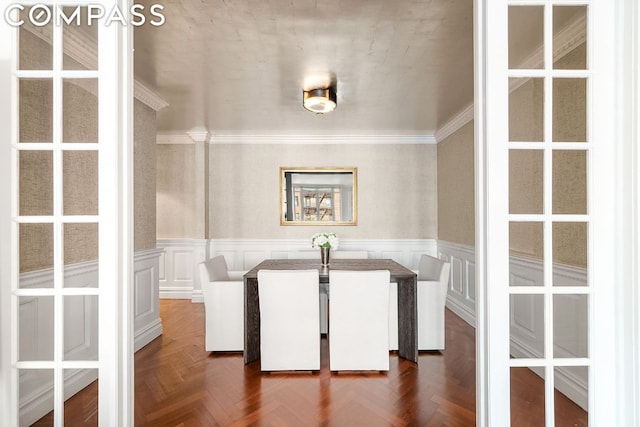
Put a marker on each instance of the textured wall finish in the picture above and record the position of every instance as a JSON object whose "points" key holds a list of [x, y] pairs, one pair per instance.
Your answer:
{"points": [[176, 191], [144, 176], [396, 189], [456, 219], [80, 168], [80, 176]]}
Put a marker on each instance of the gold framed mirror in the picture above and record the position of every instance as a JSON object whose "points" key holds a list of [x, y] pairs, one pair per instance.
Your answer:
{"points": [[320, 195]]}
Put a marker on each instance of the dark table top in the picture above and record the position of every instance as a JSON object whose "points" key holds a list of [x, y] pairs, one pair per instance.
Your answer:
{"points": [[396, 270]]}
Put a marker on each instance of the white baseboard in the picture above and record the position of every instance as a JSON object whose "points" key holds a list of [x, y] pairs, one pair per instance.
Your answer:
{"points": [[147, 334], [167, 292], [462, 311]]}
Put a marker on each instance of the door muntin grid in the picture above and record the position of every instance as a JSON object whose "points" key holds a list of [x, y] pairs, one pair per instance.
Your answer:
{"points": [[55, 210], [549, 157]]}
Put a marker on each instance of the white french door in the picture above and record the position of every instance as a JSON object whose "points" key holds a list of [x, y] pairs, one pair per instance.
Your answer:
{"points": [[545, 152], [66, 201]]}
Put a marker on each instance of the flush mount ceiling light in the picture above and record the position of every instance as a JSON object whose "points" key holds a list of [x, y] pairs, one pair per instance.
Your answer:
{"points": [[320, 101]]}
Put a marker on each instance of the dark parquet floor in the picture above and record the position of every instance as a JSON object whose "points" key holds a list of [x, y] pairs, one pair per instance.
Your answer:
{"points": [[177, 383]]}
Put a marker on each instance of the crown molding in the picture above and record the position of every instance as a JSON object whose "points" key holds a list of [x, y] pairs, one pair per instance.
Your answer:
{"points": [[453, 125], [148, 97], [198, 136], [567, 39], [323, 139], [84, 51], [570, 37]]}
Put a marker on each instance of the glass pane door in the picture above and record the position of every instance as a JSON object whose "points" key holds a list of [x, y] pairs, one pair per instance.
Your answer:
{"points": [[69, 265], [549, 159]]}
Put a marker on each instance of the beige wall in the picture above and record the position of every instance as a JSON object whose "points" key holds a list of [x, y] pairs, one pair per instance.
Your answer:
{"points": [[144, 179], [80, 168], [176, 213], [396, 189], [456, 215]]}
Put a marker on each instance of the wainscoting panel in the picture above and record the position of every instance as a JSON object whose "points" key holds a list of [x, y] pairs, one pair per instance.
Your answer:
{"points": [[244, 254], [147, 323], [142, 280], [161, 263], [461, 295], [179, 264], [527, 311], [180, 279], [458, 276], [182, 262], [80, 328], [470, 288]]}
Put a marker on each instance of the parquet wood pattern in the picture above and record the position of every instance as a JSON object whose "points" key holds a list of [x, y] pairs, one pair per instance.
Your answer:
{"points": [[179, 384]]}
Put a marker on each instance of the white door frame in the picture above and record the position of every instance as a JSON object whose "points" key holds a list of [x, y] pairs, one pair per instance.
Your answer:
{"points": [[8, 401], [116, 385], [628, 202], [614, 339]]}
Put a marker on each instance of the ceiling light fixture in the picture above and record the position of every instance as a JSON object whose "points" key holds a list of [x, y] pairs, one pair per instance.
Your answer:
{"points": [[322, 100]]}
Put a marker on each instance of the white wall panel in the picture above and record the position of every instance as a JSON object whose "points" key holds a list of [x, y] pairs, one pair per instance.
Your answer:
{"points": [[462, 300], [471, 281], [180, 266], [143, 291], [147, 323], [457, 276], [184, 255], [182, 262]]}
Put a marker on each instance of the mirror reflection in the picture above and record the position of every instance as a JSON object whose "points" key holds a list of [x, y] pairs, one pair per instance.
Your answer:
{"points": [[318, 196]]}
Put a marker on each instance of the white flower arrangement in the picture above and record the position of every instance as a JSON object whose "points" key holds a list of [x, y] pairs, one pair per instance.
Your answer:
{"points": [[324, 240]]}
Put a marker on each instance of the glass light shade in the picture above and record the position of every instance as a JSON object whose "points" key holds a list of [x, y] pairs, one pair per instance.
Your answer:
{"points": [[319, 100]]}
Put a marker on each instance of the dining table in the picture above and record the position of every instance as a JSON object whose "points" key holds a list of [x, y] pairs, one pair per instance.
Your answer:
{"points": [[407, 298]]}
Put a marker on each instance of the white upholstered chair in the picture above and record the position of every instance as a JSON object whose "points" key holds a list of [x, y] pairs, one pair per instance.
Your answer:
{"points": [[289, 328], [223, 293], [433, 280], [324, 290], [358, 320]]}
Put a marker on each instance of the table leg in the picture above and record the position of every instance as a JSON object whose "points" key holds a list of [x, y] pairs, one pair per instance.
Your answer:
{"points": [[408, 319], [251, 321]]}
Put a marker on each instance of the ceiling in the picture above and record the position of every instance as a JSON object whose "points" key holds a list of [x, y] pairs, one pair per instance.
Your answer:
{"points": [[233, 67]]}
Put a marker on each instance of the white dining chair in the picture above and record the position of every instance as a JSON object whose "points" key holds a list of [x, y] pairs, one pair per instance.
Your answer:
{"points": [[358, 320], [324, 288], [433, 280], [223, 293], [289, 328]]}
